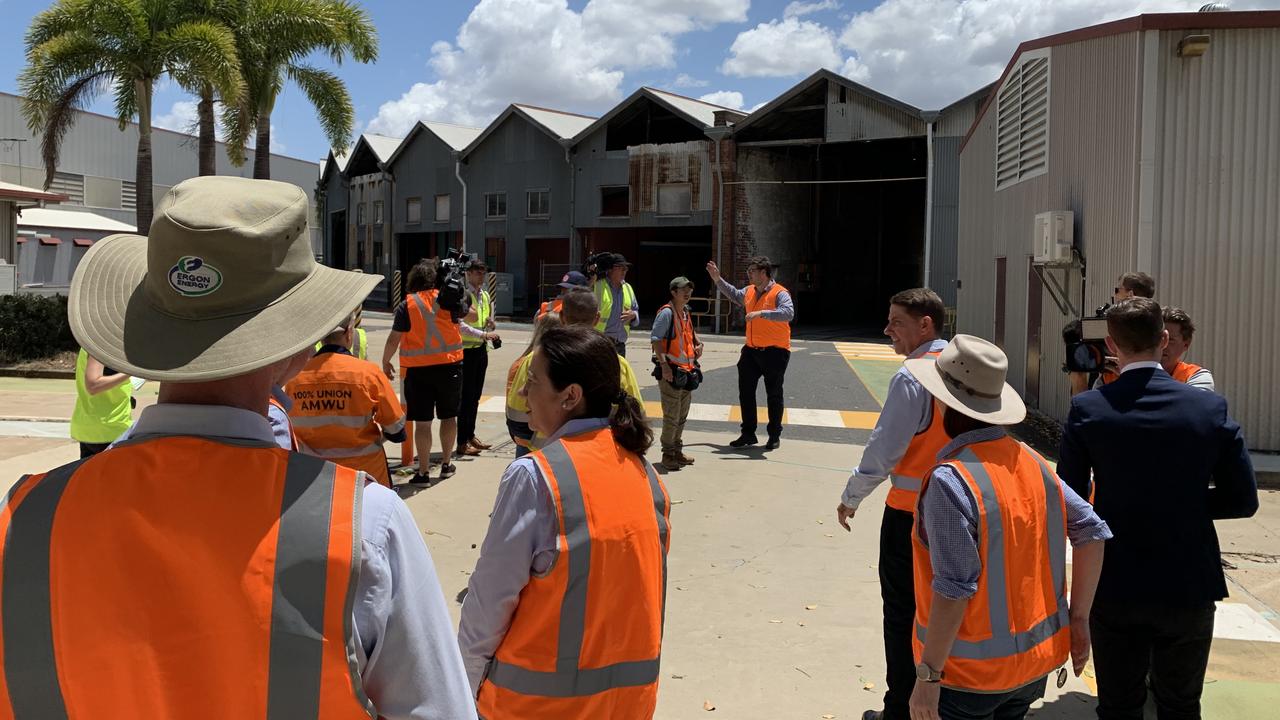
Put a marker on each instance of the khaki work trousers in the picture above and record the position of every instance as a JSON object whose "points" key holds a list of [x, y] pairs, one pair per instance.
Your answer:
{"points": [[675, 410]]}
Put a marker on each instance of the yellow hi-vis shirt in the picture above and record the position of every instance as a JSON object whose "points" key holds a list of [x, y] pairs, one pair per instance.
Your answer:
{"points": [[518, 405]]}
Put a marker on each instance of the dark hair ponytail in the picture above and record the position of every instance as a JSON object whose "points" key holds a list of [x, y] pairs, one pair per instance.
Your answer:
{"points": [[581, 355]]}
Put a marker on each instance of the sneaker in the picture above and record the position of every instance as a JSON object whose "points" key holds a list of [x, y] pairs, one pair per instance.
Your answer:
{"points": [[670, 462], [476, 443], [773, 443], [419, 479], [447, 471], [684, 459], [744, 439]]}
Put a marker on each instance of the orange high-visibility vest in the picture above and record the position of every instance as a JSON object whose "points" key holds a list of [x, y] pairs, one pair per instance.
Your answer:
{"points": [[341, 407], [556, 306], [1016, 627], [182, 577], [585, 640], [433, 337], [761, 332], [1184, 370], [921, 456], [680, 343]]}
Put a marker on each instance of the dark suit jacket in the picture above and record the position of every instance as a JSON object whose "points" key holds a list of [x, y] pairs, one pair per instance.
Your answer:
{"points": [[1167, 461]]}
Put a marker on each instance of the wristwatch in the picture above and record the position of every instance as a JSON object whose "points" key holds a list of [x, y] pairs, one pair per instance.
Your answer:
{"points": [[924, 673]]}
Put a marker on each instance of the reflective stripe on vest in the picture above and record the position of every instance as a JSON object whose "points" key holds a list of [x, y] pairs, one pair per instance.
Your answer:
{"points": [[482, 318], [762, 332], [682, 335], [361, 349], [604, 295], [568, 679], [433, 342], [300, 633], [986, 655]]}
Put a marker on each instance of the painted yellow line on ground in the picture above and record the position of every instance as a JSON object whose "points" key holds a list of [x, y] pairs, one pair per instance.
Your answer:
{"points": [[867, 351], [708, 412]]}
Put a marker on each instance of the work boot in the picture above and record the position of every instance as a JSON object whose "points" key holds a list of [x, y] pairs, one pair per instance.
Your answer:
{"points": [[670, 462], [744, 439], [774, 442], [684, 459], [477, 443]]}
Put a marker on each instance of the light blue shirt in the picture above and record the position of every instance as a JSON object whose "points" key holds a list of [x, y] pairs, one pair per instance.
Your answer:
{"points": [[908, 410], [785, 312], [407, 658], [521, 543], [948, 520], [281, 427], [613, 326]]}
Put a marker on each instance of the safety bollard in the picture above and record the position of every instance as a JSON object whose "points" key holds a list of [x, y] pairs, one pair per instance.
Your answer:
{"points": [[406, 447]]}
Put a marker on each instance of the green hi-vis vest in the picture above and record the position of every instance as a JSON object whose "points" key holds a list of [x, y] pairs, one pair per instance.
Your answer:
{"points": [[604, 293], [103, 417], [359, 348], [483, 311]]}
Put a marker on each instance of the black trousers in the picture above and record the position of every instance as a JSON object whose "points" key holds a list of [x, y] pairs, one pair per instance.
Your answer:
{"points": [[1012, 705], [475, 362], [771, 364], [897, 590], [1130, 639]]}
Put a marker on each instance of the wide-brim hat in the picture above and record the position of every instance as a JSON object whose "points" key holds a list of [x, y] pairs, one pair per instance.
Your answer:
{"points": [[226, 283], [968, 376]]}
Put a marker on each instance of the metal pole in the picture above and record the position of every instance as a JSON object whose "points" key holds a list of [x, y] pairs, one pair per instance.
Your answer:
{"points": [[715, 291], [928, 207], [457, 172]]}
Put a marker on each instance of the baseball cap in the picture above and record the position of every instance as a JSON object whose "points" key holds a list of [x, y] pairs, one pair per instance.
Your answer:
{"points": [[573, 279], [680, 282]]}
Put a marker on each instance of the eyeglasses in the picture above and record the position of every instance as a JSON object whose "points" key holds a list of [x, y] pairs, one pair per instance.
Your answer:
{"points": [[1115, 291]]}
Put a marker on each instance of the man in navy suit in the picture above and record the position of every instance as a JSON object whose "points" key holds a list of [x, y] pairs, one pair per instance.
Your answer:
{"points": [[1167, 460]]}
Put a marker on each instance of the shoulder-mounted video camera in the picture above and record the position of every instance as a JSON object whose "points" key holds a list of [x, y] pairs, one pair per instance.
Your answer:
{"points": [[451, 281], [597, 264], [1086, 343]]}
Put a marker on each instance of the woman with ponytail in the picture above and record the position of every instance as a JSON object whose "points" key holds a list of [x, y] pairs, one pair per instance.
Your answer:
{"points": [[563, 614]]}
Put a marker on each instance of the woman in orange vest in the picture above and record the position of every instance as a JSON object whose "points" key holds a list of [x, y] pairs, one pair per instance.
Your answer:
{"points": [[992, 524], [563, 618]]}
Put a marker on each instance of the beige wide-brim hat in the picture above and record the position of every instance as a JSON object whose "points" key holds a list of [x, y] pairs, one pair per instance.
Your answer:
{"points": [[969, 377], [226, 283]]}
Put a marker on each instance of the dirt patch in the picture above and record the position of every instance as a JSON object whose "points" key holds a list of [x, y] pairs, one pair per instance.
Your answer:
{"points": [[1040, 432], [61, 361]]}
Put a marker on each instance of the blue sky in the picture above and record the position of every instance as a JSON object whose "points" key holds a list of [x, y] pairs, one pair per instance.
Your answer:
{"points": [[462, 61]]}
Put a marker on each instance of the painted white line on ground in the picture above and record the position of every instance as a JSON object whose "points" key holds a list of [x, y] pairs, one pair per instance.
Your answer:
{"points": [[1237, 621], [709, 412], [495, 404], [815, 418], [22, 428]]}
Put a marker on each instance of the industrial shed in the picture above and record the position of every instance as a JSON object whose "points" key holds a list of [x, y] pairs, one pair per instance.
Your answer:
{"points": [[1158, 134], [358, 193]]}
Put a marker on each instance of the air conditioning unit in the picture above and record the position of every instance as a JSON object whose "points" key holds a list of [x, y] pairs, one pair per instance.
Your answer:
{"points": [[1052, 240]]}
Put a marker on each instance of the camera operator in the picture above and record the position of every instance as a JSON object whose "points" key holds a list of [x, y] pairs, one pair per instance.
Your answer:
{"points": [[1128, 285], [428, 336]]}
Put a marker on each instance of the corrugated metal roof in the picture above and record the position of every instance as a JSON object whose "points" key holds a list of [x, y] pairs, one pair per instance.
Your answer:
{"points": [[563, 125], [70, 219], [12, 191], [455, 136], [703, 112], [384, 147]]}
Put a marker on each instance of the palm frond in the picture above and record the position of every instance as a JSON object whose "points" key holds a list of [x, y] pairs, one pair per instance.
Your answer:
{"points": [[329, 95], [60, 115], [203, 49]]}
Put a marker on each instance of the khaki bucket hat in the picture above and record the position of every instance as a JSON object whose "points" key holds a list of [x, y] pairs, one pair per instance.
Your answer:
{"points": [[969, 377], [225, 284]]}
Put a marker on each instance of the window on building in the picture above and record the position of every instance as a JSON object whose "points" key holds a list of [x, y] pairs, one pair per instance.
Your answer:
{"points": [[128, 195], [495, 205], [1022, 122], [442, 208], [360, 219], [495, 254], [675, 199], [68, 184], [615, 201], [539, 203], [413, 210], [377, 212]]}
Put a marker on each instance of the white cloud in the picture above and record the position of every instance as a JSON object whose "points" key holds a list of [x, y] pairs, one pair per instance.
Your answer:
{"points": [[800, 9], [782, 48], [180, 118], [544, 52], [731, 99], [684, 80]]}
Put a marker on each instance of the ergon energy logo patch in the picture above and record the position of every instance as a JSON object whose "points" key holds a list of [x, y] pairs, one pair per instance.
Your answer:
{"points": [[193, 278]]}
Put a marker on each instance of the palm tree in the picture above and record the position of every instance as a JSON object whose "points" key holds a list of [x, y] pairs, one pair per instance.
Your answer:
{"points": [[78, 49], [274, 39]]}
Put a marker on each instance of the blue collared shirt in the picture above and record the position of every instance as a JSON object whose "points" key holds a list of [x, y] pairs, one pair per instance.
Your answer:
{"points": [[908, 410], [613, 325], [947, 517], [521, 543], [784, 312], [405, 651]]}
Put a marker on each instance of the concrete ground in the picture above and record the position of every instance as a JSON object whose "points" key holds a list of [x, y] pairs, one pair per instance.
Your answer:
{"points": [[774, 610]]}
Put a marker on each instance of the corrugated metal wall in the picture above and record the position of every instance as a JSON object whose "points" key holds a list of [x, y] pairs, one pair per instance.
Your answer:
{"points": [[945, 218], [862, 117], [1092, 171], [1217, 217]]}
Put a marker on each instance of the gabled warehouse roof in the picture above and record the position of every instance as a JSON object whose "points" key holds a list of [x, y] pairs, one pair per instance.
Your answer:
{"points": [[24, 194], [380, 147], [809, 82], [559, 125], [696, 112], [457, 137]]}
